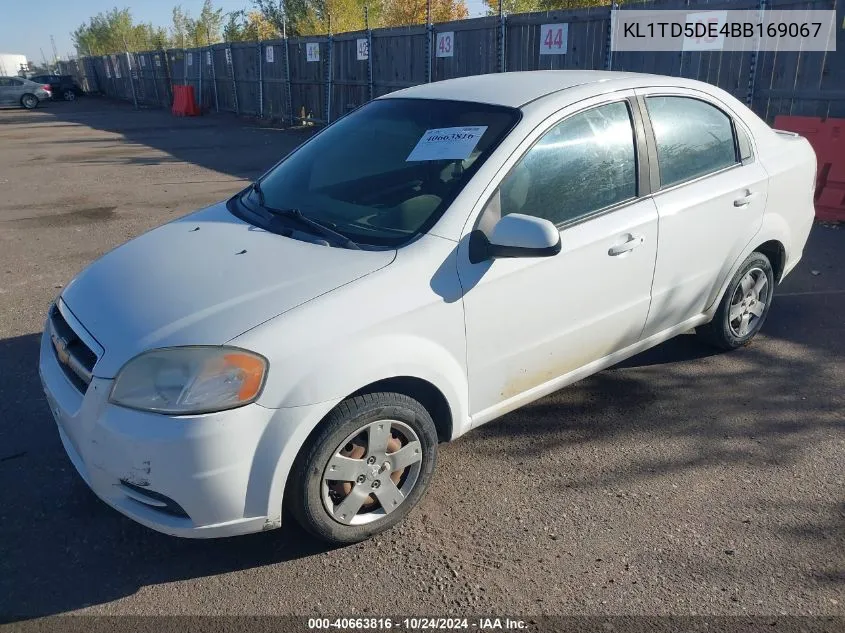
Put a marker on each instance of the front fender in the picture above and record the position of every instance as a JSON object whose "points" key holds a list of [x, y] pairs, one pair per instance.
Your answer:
{"points": [[337, 373], [305, 393]]}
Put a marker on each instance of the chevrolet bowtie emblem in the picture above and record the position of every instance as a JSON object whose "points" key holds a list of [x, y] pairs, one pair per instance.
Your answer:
{"points": [[61, 348]]}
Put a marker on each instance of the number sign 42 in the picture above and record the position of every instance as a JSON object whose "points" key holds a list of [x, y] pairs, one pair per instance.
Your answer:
{"points": [[554, 39]]}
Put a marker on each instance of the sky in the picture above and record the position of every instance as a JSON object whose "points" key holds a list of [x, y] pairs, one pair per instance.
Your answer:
{"points": [[27, 32]]}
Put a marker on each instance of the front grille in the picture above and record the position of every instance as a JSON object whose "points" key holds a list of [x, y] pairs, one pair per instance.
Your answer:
{"points": [[154, 500], [76, 359]]}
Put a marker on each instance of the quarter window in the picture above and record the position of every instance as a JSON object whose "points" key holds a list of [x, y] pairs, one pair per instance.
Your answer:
{"points": [[744, 144], [584, 164], [693, 138]]}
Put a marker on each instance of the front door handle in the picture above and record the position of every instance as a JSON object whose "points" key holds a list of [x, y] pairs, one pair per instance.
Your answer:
{"points": [[745, 200], [630, 244]]}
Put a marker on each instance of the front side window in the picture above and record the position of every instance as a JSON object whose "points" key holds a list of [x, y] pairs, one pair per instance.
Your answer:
{"points": [[387, 171], [584, 164], [693, 138]]}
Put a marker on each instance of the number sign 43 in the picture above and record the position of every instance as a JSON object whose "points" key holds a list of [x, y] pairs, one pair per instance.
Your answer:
{"points": [[445, 44]]}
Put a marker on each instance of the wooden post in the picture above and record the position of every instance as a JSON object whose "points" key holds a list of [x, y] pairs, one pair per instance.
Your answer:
{"points": [[155, 78], [429, 45], [214, 79], [289, 104], [260, 80], [752, 67], [329, 73], [611, 24], [501, 39], [369, 53], [234, 79]]}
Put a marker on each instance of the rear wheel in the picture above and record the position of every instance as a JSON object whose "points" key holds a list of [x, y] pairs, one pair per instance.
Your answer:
{"points": [[365, 469], [744, 306], [69, 95], [30, 102]]}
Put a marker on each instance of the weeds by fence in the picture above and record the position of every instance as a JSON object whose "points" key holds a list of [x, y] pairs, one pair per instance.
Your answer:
{"points": [[317, 79]]}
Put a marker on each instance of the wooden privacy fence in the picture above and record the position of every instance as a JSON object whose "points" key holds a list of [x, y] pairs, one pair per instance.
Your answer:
{"points": [[317, 79]]}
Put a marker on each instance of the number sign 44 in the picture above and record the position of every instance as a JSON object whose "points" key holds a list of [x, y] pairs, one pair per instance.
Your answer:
{"points": [[554, 39]]}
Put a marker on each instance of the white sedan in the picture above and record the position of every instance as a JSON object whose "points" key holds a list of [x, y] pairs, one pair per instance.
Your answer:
{"points": [[439, 257]]}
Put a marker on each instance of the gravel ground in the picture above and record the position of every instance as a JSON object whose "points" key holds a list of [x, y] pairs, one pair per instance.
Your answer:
{"points": [[681, 482]]}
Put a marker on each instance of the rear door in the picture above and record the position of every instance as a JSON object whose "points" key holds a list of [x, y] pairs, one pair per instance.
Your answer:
{"points": [[6, 91], [17, 89], [710, 194]]}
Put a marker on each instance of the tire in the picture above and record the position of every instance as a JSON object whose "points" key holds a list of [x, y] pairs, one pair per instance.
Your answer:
{"points": [[316, 500], [744, 306], [69, 95], [29, 101]]}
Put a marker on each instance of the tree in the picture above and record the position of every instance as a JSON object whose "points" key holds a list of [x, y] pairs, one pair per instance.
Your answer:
{"points": [[310, 17], [346, 15], [283, 14], [114, 31], [248, 27], [208, 27], [527, 6], [180, 26], [397, 12]]}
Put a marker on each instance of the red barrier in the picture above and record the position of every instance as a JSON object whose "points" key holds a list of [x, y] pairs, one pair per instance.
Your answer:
{"points": [[184, 103], [828, 140]]}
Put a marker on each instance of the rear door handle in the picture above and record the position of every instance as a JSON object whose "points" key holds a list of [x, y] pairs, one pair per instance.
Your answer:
{"points": [[745, 200], [630, 244]]}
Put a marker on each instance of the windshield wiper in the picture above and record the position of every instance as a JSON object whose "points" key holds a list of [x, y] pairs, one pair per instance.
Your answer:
{"points": [[296, 214], [256, 187], [316, 226]]}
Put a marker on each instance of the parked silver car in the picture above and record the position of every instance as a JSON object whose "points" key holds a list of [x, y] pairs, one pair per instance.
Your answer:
{"points": [[17, 91]]}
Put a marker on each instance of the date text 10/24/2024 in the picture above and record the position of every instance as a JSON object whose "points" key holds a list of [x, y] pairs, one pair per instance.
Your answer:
{"points": [[417, 624]]}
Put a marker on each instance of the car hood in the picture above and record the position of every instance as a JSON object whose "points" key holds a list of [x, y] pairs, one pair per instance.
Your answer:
{"points": [[203, 280]]}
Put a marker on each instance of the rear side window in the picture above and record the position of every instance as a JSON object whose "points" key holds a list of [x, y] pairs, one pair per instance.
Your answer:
{"points": [[693, 138], [585, 163]]}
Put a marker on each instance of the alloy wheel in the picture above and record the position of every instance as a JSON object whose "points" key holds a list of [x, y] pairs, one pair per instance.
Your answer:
{"points": [[371, 472], [748, 303]]}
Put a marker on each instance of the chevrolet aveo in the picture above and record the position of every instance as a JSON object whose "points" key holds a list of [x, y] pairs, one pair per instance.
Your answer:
{"points": [[429, 262]]}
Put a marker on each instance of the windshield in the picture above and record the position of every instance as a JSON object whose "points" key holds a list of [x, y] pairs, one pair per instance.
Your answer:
{"points": [[388, 171]]}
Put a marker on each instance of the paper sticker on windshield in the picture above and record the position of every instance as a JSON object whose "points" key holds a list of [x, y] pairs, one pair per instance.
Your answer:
{"points": [[447, 143]]}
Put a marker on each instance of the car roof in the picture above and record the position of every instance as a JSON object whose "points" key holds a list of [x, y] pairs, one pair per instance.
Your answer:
{"points": [[513, 89]]}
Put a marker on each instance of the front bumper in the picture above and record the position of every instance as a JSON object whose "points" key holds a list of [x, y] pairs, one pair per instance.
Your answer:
{"points": [[203, 476]]}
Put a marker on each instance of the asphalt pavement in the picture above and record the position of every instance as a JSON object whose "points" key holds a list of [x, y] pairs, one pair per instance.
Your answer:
{"points": [[681, 482]]}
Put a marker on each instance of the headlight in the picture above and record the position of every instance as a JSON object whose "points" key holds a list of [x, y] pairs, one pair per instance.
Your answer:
{"points": [[185, 380]]}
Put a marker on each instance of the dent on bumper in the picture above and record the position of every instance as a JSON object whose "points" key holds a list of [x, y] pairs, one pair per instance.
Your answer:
{"points": [[223, 468]]}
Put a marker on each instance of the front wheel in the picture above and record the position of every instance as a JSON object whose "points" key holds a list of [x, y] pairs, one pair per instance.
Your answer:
{"points": [[30, 102], [365, 468], [69, 95], [744, 306]]}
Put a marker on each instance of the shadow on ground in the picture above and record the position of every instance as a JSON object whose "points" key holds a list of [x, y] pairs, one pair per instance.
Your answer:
{"points": [[222, 142]]}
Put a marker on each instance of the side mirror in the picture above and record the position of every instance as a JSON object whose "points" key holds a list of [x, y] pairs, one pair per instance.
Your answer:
{"points": [[515, 235]]}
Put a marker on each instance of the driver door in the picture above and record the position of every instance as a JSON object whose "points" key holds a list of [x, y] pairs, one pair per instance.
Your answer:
{"points": [[531, 321]]}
